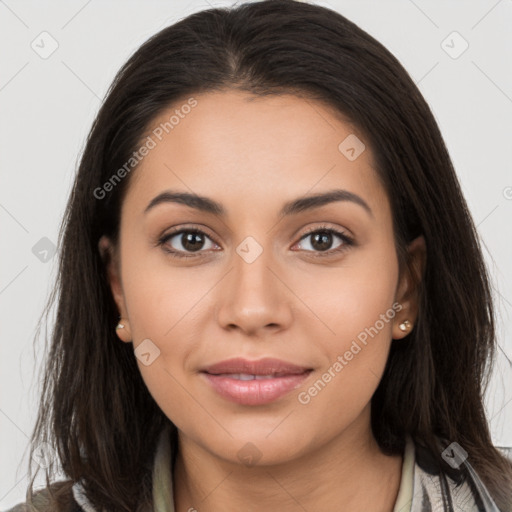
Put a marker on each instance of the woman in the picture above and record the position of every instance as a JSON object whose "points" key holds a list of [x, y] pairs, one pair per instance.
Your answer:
{"points": [[271, 292]]}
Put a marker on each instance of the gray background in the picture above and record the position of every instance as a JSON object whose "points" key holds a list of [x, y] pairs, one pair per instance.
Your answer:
{"points": [[48, 105]]}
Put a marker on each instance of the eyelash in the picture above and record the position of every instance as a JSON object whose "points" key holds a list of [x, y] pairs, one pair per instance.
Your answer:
{"points": [[347, 241]]}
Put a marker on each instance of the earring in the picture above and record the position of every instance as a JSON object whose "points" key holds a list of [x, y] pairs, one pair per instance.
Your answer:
{"points": [[119, 325], [123, 331], [405, 326]]}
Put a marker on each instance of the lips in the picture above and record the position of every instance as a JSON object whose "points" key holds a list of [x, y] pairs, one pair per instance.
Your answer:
{"points": [[254, 382], [263, 367]]}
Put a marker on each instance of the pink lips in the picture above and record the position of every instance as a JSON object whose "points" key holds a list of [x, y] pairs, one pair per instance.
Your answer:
{"points": [[275, 378]]}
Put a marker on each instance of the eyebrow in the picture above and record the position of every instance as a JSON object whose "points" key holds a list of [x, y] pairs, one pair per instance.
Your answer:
{"points": [[205, 204]]}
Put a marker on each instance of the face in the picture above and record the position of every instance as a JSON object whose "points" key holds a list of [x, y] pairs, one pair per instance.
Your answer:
{"points": [[316, 285]]}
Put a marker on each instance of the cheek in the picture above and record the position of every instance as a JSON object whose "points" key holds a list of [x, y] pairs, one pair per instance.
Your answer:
{"points": [[355, 361], [359, 309], [161, 297], [357, 296], [168, 388]]}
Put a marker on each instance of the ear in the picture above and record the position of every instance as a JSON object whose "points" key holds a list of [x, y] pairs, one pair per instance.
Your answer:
{"points": [[408, 287], [110, 258]]}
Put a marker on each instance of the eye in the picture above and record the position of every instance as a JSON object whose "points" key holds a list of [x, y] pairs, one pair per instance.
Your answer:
{"points": [[322, 239], [185, 242], [191, 240]]}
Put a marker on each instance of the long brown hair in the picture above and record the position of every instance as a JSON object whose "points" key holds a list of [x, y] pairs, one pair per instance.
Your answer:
{"points": [[95, 409]]}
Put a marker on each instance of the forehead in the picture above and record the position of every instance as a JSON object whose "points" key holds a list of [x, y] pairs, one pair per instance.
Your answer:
{"points": [[233, 145]]}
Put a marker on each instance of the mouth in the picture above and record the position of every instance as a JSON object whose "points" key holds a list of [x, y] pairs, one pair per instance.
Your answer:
{"points": [[254, 382], [248, 376], [267, 366]]}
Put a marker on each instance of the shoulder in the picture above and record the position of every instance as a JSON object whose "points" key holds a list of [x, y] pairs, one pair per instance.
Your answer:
{"points": [[457, 482], [42, 501]]}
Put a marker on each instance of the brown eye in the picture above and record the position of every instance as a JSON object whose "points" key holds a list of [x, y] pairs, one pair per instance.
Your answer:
{"points": [[322, 240], [185, 241], [191, 241]]}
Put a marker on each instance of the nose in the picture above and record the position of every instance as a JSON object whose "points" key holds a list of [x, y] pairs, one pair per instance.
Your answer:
{"points": [[254, 297]]}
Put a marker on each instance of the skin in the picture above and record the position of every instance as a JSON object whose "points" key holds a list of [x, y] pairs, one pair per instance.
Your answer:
{"points": [[252, 155]]}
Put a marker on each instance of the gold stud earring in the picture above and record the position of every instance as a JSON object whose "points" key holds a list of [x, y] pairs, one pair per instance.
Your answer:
{"points": [[405, 326]]}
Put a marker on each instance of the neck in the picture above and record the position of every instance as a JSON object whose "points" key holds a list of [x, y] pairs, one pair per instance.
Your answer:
{"points": [[350, 472]]}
